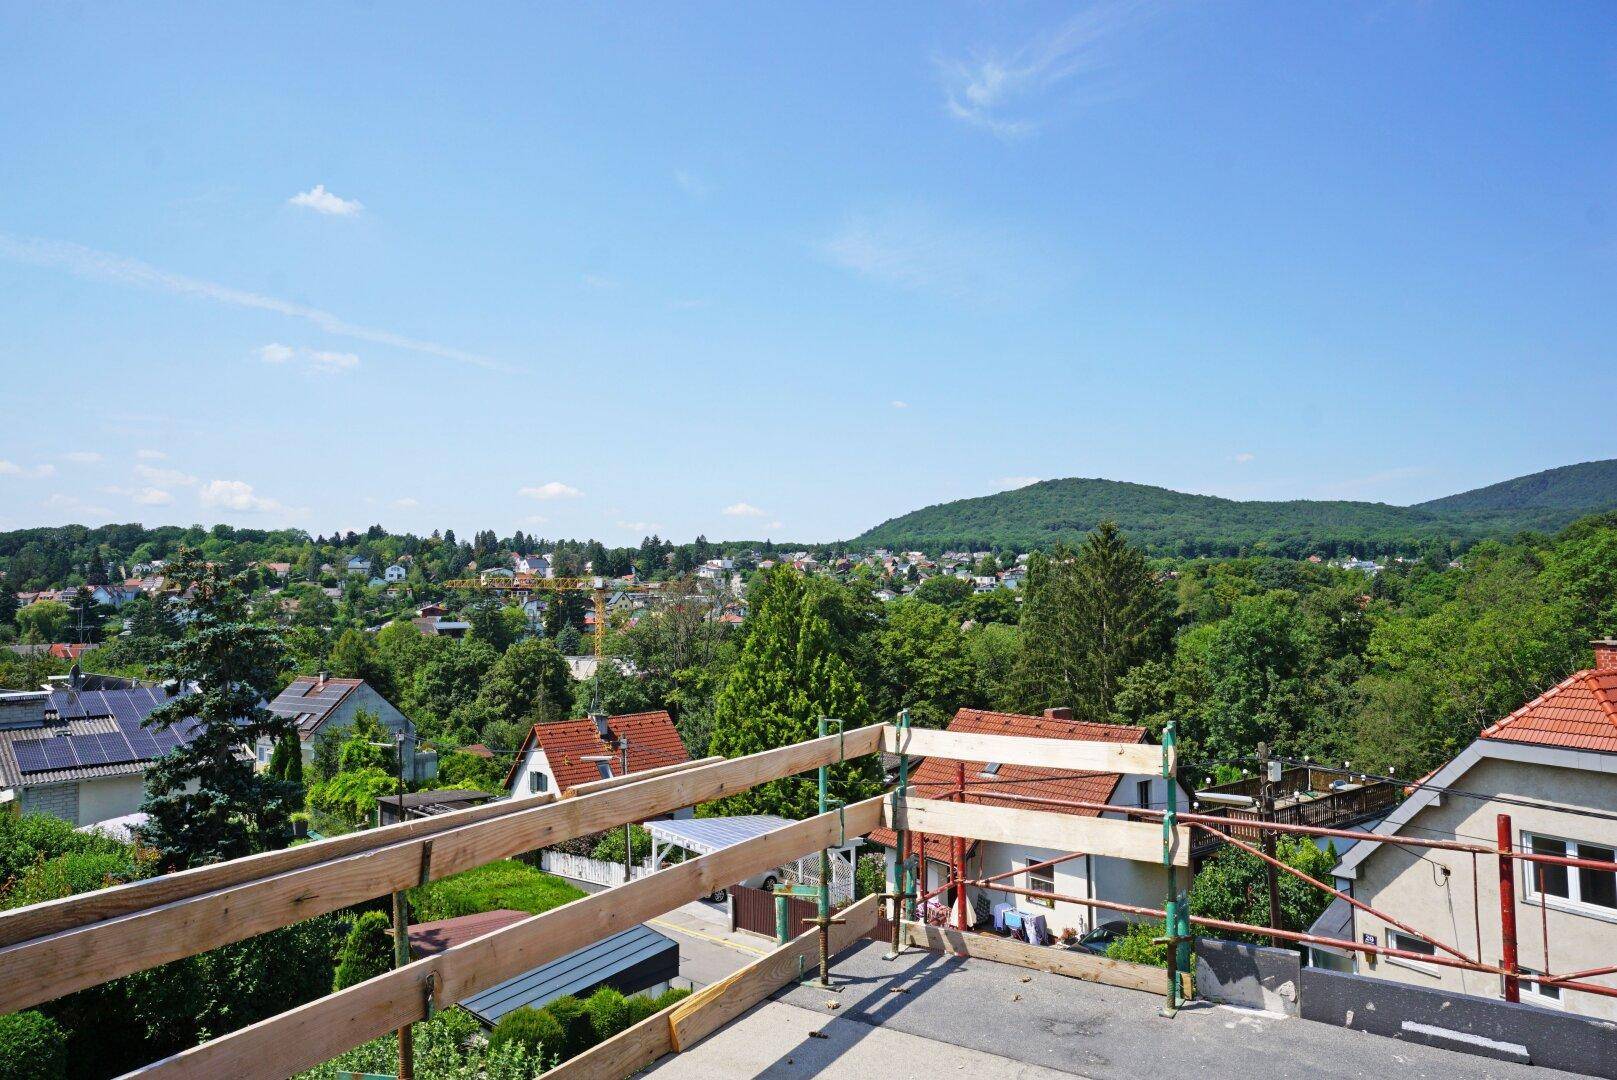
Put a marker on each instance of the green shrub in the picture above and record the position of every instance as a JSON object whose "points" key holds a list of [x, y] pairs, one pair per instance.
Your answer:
{"points": [[535, 1030], [869, 876], [32, 1047], [609, 848], [28, 839], [366, 952], [75, 872], [351, 794], [1137, 946], [609, 1012], [577, 1031], [640, 1008], [445, 1049], [671, 995]]}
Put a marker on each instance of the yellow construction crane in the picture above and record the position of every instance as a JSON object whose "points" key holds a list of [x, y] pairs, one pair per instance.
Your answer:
{"points": [[599, 587]]}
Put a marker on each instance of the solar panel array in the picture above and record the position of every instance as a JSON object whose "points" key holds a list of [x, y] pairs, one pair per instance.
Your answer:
{"points": [[130, 743]]}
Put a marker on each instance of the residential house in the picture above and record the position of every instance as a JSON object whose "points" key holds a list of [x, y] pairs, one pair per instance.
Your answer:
{"points": [[553, 756], [358, 564], [440, 626], [79, 754], [322, 707], [1551, 768], [392, 809], [1096, 876], [395, 573], [279, 569], [537, 565]]}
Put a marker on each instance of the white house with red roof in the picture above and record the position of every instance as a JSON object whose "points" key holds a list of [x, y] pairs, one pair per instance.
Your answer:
{"points": [[561, 755], [1551, 766], [1094, 876]]}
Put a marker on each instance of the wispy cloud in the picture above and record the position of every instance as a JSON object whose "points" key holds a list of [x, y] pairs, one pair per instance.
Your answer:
{"points": [[1011, 483], [82, 457], [72, 504], [598, 281], [145, 496], [913, 247], [638, 526], [743, 509], [406, 503], [1001, 92], [322, 201], [1243, 457], [555, 489], [11, 468], [165, 477], [901, 404], [314, 361], [238, 496], [151, 455], [96, 265]]}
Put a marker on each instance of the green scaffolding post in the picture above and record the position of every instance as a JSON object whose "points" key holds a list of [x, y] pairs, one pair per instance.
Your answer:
{"points": [[903, 906], [1170, 820], [824, 899]]}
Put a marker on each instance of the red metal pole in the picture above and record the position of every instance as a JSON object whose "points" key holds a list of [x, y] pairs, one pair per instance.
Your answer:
{"points": [[1507, 910], [960, 856]]}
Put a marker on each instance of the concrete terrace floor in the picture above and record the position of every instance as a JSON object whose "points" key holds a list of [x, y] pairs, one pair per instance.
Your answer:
{"points": [[990, 1021]]}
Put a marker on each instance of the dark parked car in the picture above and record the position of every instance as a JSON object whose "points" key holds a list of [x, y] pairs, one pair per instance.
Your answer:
{"points": [[1103, 935]]}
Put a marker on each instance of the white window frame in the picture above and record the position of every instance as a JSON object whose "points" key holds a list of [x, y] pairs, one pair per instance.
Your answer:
{"points": [[1573, 903], [1531, 993], [538, 782], [1397, 939], [1039, 880]]}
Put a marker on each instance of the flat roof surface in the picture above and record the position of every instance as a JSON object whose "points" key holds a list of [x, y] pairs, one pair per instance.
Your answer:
{"points": [[707, 835], [926, 1015], [612, 959]]}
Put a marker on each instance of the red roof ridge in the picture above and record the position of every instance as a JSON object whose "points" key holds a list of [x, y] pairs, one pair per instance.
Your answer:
{"points": [[1577, 713]]}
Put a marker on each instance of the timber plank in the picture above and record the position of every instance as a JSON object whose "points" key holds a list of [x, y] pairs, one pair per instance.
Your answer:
{"points": [[1057, 961], [624, 1054], [48, 967], [320, 1030], [608, 782], [1137, 840], [1064, 754], [710, 1008]]}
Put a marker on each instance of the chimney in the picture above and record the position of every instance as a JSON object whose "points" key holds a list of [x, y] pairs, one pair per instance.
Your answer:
{"points": [[600, 726], [320, 681], [1605, 654], [1062, 712]]}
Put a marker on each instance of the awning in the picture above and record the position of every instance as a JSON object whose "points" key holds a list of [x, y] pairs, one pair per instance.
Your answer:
{"points": [[704, 836]]}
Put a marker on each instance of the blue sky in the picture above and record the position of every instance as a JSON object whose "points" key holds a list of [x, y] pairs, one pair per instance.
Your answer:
{"points": [[789, 270]]}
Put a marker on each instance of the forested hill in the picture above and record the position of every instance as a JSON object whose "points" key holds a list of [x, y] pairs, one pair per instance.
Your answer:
{"points": [[1174, 523]]}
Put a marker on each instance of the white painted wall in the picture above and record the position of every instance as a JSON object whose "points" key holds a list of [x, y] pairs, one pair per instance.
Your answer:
{"points": [[534, 763], [109, 797]]}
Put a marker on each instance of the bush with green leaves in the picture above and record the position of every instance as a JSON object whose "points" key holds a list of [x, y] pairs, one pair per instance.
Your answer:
{"points": [[74, 872], [351, 794], [32, 1047], [1138, 945], [367, 951], [535, 1030], [29, 839], [1232, 885], [446, 1048], [609, 1012], [609, 848]]}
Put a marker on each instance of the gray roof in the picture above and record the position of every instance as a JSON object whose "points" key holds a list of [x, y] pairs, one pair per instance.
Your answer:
{"points": [[637, 955], [1336, 921], [87, 734], [309, 701]]}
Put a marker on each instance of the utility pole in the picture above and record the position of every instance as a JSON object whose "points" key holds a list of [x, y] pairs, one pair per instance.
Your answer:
{"points": [[1270, 775]]}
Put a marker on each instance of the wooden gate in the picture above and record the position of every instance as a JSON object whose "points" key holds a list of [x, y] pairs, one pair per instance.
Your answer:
{"points": [[754, 910]]}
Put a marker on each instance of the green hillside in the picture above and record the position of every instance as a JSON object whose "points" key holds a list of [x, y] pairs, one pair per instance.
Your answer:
{"points": [[1172, 522]]}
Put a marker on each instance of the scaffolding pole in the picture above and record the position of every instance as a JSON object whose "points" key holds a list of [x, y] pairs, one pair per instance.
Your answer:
{"points": [[1171, 912], [823, 902], [1507, 911], [900, 887]]}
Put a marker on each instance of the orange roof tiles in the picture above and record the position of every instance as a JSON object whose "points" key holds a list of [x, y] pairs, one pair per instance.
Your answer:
{"points": [[937, 778], [653, 743], [1577, 714]]}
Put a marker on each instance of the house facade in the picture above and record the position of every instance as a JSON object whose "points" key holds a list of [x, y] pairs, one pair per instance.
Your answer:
{"points": [[322, 707], [81, 755], [1550, 767], [553, 756], [1094, 876]]}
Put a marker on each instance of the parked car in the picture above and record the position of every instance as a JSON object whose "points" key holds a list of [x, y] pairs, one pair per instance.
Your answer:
{"points": [[1103, 935], [765, 881]]}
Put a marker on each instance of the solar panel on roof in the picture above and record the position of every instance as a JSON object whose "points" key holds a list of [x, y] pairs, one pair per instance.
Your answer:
{"points": [[67, 705], [125, 711], [88, 750], [30, 755], [166, 740], [58, 753], [143, 744], [117, 748]]}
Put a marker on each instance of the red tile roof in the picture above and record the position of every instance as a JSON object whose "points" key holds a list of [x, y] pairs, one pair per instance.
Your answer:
{"points": [[936, 778], [653, 743], [431, 938], [1578, 714]]}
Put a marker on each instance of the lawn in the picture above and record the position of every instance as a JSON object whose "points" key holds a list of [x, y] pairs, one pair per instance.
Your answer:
{"points": [[503, 884]]}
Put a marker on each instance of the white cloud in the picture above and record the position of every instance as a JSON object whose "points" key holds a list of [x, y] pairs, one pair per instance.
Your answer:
{"points": [[555, 489], [315, 361], [45, 470], [406, 503], [598, 281], [742, 509], [776, 525], [145, 496], [82, 457], [999, 92], [151, 455], [690, 183], [11, 468], [1010, 483], [535, 519], [72, 504], [319, 199], [239, 496], [86, 262], [638, 526], [168, 477], [687, 305], [901, 404], [913, 247], [1243, 457]]}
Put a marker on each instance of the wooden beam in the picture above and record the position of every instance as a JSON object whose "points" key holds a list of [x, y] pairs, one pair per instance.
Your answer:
{"points": [[1065, 755], [1058, 961], [48, 967], [607, 783], [322, 1029], [1137, 840], [710, 1008], [53, 916]]}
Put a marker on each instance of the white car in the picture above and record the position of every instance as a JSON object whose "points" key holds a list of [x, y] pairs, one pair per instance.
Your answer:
{"points": [[765, 881]]}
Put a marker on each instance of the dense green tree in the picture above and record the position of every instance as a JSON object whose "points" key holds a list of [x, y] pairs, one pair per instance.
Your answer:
{"points": [[1232, 885], [204, 801], [43, 621], [367, 950], [354, 655], [794, 668], [923, 663]]}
